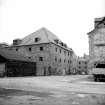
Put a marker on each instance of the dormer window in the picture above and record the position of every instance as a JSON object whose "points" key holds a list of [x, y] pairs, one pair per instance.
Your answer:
{"points": [[37, 39], [65, 45], [61, 43], [56, 41]]}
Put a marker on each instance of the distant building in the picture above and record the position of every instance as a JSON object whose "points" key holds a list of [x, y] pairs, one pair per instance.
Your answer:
{"points": [[97, 42], [52, 56], [82, 65], [74, 64]]}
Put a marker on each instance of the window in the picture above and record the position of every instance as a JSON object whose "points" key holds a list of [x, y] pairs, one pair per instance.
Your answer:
{"points": [[29, 57], [55, 59], [37, 39], [68, 61], [56, 49], [64, 60], [40, 58], [61, 43], [68, 53], [17, 49], [41, 48], [85, 67], [56, 41], [60, 50], [65, 52], [85, 62], [30, 49], [60, 60]]}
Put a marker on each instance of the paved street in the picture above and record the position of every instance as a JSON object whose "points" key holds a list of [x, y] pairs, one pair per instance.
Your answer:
{"points": [[52, 90]]}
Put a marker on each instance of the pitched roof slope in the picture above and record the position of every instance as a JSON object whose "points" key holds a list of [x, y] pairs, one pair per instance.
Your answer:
{"points": [[13, 55], [44, 35]]}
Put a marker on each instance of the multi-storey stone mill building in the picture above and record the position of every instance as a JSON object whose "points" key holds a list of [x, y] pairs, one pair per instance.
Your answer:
{"points": [[51, 55], [97, 43]]}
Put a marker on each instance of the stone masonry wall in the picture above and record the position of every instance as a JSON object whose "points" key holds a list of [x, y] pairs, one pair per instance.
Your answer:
{"points": [[97, 45], [60, 59], [50, 64]]}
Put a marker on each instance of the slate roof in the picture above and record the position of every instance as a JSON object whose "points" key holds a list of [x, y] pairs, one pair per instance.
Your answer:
{"points": [[13, 55], [43, 34]]}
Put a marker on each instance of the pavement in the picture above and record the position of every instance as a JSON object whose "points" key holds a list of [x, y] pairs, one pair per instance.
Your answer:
{"points": [[52, 90]]}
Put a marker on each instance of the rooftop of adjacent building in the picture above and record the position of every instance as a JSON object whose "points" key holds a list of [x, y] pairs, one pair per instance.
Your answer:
{"points": [[13, 55]]}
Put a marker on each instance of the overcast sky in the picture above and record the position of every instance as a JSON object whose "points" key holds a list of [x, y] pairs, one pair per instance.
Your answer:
{"points": [[70, 20]]}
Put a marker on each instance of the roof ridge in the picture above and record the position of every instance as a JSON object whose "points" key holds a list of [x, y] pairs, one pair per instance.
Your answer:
{"points": [[45, 31]]}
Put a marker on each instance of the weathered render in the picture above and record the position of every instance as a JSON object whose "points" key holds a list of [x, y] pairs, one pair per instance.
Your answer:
{"points": [[51, 55]]}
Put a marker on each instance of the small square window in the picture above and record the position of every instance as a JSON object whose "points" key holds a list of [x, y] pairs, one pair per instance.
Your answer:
{"points": [[29, 57], [40, 58], [41, 48], [17, 49], [30, 49]]}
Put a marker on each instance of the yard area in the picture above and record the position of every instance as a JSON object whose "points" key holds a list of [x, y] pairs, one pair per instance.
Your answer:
{"points": [[52, 90]]}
